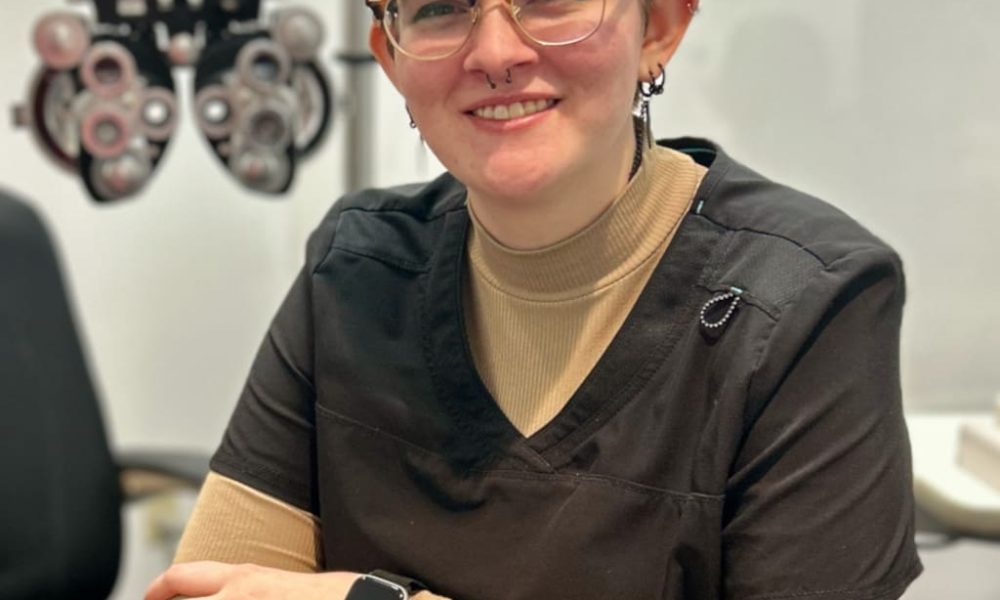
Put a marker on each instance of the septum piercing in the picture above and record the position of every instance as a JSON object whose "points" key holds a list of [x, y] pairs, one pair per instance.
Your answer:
{"points": [[509, 79]]}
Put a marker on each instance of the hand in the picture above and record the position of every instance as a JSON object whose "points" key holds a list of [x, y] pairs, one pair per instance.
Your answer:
{"points": [[221, 580]]}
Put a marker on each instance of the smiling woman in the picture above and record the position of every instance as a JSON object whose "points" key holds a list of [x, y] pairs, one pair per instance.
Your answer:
{"points": [[579, 365]]}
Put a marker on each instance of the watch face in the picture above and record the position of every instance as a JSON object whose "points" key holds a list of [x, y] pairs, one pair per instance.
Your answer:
{"points": [[373, 588]]}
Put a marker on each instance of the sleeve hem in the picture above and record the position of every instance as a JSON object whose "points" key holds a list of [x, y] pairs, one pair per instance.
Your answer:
{"points": [[223, 464], [892, 590]]}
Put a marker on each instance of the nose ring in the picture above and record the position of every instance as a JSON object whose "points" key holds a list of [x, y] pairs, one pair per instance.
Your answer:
{"points": [[509, 79]]}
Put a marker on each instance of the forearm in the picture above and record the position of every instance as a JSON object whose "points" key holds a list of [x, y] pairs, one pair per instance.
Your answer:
{"points": [[233, 523]]}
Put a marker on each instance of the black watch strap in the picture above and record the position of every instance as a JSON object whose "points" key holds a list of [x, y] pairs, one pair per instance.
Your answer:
{"points": [[412, 586]]}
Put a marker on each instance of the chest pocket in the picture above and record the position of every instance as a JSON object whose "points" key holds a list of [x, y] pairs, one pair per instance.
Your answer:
{"points": [[508, 534]]}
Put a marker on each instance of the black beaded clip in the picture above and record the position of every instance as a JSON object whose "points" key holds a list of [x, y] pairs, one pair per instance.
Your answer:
{"points": [[733, 296]]}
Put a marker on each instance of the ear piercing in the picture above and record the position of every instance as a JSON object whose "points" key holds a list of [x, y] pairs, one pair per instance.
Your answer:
{"points": [[655, 85], [646, 90]]}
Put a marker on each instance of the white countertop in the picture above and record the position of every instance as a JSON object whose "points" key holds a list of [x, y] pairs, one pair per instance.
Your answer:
{"points": [[943, 489]]}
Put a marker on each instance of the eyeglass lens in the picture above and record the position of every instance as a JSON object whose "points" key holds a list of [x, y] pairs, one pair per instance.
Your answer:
{"points": [[438, 28]]}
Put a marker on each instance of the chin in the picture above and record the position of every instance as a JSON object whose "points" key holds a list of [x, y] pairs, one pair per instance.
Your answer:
{"points": [[514, 186], [517, 175]]}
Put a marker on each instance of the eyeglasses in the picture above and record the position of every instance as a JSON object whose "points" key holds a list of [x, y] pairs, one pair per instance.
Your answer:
{"points": [[436, 29]]}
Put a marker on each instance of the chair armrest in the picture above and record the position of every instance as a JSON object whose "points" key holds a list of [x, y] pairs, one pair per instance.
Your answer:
{"points": [[144, 473]]}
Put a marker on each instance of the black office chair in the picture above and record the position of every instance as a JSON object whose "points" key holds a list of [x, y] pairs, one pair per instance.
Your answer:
{"points": [[60, 487]]}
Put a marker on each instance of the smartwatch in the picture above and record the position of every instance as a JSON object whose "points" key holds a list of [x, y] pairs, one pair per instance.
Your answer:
{"points": [[382, 585]]}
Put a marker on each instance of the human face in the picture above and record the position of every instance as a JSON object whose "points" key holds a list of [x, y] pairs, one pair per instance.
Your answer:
{"points": [[583, 132]]}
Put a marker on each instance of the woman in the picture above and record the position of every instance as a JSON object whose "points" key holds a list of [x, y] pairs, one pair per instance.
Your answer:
{"points": [[576, 366]]}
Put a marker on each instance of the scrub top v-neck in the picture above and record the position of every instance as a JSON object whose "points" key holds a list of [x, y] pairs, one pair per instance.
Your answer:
{"points": [[646, 338]]}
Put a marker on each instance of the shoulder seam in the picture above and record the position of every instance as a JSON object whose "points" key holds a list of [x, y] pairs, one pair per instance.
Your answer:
{"points": [[430, 218], [868, 247], [796, 243]]}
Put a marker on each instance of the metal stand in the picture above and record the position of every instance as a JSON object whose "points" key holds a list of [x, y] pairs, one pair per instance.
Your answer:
{"points": [[359, 99]]}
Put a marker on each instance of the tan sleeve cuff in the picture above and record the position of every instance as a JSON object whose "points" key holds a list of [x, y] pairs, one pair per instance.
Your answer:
{"points": [[425, 595], [234, 523]]}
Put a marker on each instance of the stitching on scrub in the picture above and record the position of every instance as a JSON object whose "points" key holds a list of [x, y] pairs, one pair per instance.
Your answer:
{"points": [[399, 210], [336, 416], [874, 593], [384, 258], [435, 377], [798, 244], [614, 482], [761, 344], [329, 247], [621, 484], [720, 251], [332, 243], [259, 471]]}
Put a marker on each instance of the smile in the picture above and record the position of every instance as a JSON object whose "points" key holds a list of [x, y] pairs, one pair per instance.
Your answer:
{"points": [[516, 110]]}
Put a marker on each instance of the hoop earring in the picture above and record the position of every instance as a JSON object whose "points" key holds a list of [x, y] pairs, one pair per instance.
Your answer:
{"points": [[646, 90], [656, 84]]}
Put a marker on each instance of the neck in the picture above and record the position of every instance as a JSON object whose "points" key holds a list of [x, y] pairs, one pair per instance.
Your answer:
{"points": [[563, 207]]}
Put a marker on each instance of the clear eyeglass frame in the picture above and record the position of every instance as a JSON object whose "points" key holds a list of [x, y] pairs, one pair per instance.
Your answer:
{"points": [[378, 8]]}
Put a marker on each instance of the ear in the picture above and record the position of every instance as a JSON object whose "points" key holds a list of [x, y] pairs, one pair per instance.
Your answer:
{"points": [[382, 49], [665, 28]]}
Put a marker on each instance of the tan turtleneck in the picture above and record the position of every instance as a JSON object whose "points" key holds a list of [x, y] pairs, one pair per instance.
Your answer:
{"points": [[537, 321]]}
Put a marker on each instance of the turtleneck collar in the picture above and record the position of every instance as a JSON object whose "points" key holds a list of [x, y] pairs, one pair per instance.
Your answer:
{"points": [[625, 235]]}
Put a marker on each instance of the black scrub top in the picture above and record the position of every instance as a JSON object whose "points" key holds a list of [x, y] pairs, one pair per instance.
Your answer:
{"points": [[765, 458]]}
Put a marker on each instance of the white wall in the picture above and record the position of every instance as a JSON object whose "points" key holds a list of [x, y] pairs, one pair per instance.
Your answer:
{"points": [[887, 108]]}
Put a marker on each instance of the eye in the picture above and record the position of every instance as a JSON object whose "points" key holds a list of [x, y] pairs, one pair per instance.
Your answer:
{"points": [[431, 10]]}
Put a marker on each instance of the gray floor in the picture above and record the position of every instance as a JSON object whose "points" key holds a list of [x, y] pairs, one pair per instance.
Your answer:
{"points": [[966, 570]]}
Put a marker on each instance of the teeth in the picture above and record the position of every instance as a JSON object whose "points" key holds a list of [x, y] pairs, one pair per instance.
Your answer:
{"points": [[504, 112]]}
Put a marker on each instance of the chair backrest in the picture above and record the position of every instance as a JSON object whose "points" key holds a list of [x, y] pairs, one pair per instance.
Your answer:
{"points": [[60, 500]]}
